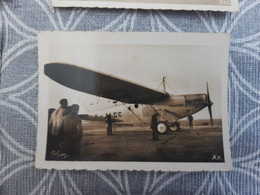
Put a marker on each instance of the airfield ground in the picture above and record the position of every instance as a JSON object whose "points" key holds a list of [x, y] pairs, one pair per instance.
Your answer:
{"points": [[199, 144]]}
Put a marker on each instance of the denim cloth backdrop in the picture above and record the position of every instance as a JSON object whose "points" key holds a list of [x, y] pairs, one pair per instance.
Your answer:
{"points": [[19, 23]]}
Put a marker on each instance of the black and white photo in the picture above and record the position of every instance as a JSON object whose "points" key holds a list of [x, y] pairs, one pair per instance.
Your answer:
{"points": [[143, 101]]}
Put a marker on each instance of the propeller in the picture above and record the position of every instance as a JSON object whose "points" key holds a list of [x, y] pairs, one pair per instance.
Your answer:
{"points": [[209, 104]]}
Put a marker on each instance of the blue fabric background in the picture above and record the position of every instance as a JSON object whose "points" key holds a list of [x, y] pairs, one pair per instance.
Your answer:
{"points": [[19, 23]]}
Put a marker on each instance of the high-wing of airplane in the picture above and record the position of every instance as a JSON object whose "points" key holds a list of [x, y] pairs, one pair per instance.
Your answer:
{"points": [[133, 103]]}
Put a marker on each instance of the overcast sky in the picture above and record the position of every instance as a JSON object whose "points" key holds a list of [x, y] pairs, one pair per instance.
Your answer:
{"points": [[187, 68]]}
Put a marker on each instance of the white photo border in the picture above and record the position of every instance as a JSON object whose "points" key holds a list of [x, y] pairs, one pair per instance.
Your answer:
{"points": [[234, 7]]}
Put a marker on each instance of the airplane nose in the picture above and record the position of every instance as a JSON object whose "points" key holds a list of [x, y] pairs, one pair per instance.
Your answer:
{"points": [[208, 102]]}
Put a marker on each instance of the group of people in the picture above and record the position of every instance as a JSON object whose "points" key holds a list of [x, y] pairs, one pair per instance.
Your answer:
{"points": [[64, 132], [154, 123]]}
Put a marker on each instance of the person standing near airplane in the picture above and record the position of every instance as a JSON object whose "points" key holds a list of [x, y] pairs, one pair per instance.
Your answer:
{"points": [[109, 124], [72, 132], [190, 119], [154, 124], [56, 122]]}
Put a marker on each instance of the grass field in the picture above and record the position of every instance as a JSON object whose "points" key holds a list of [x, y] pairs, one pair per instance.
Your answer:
{"points": [[199, 144]]}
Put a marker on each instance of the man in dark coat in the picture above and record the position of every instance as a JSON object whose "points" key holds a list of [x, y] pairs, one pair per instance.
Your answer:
{"points": [[109, 124], [154, 124], [190, 119]]}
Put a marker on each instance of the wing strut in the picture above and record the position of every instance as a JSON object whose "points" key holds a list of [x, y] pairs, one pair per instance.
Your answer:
{"points": [[133, 113], [155, 110]]}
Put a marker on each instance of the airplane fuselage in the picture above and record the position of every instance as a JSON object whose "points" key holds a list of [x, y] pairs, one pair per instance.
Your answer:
{"points": [[172, 109]]}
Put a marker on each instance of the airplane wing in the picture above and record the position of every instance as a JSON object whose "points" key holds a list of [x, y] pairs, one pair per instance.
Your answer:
{"points": [[101, 84]]}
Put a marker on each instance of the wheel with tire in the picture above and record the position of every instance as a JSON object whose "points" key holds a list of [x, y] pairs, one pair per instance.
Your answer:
{"points": [[162, 127], [175, 126]]}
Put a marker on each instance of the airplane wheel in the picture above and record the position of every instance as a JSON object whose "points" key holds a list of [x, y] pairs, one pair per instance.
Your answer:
{"points": [[175, 127], [162, 127]]}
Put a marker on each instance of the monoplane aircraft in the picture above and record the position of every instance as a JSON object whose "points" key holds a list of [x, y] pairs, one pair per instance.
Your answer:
{"points": [[133, 103]]}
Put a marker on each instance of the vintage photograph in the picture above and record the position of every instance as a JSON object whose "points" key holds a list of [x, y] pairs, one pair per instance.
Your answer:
{"points": [[206, 5], [135, 101]]}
